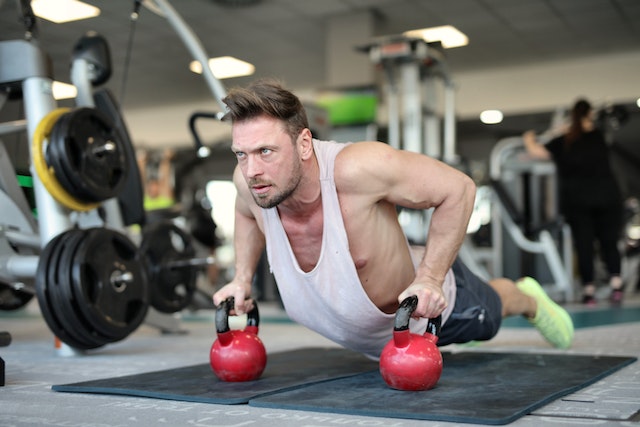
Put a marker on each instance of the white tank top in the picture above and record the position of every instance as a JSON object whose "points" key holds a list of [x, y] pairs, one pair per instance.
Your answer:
{"points": [[330, 299]]}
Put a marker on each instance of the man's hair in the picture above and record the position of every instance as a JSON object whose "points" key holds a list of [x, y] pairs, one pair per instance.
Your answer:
{"points": [[267, 97]]}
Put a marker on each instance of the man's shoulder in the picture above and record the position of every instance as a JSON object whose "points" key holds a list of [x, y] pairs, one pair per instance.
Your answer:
{"points": [[357, 163], [362, 152]]}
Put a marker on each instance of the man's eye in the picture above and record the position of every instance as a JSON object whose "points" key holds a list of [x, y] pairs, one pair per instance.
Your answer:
{"points": [[239, 154], [265, 151]]}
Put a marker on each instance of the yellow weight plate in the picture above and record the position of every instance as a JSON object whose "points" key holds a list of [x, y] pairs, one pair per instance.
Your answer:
{"points": [[47, 174]]}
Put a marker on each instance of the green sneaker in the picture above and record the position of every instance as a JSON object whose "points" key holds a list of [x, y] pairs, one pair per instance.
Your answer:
{"points": [[553, 322]]}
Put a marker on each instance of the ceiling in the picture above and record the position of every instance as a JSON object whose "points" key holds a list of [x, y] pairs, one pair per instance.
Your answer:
{"points": [[286, 38]]}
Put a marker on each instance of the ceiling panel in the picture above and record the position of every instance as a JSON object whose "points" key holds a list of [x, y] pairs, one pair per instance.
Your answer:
{"points": [[286, 38]]}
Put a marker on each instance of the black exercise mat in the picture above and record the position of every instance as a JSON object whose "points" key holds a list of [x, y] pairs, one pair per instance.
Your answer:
{"points": [[284, 371], [479, 388]]}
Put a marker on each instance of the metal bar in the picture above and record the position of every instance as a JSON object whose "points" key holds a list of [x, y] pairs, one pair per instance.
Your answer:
{"points": [[449, 151], [15, 267], [194, 46], [14, 126], [194, 262], [21, 239]]}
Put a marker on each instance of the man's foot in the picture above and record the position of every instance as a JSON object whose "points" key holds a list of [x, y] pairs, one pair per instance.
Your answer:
{"points": [[551, 320]]}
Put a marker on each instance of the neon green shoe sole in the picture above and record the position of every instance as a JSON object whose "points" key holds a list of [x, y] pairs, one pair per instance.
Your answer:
{"points": [[551, 320]]}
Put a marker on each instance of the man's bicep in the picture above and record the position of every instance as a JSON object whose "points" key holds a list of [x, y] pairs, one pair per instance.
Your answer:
{"points": [[243, 196], [416, 181]]}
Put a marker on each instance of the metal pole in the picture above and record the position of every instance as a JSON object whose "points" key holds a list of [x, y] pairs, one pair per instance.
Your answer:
{"points": [[449, 155], [194, 46]]}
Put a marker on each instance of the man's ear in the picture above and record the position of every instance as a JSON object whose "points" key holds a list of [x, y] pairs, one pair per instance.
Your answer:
{"points": [[305, 144]]}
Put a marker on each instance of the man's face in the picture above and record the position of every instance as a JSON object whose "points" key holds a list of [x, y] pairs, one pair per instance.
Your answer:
{"points": [[268, 159]]}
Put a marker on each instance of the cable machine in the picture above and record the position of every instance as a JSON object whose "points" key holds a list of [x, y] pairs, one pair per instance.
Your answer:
{"points": [[415, 74]]}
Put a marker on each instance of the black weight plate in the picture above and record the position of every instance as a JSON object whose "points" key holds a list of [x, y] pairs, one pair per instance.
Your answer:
{"points": [[11, 298], [71, 306], [75, 141], [78, 302], [131, 197], [172, 289], [54, 153], [113, 309], [96, 175], [44, 290], [58, 278]]}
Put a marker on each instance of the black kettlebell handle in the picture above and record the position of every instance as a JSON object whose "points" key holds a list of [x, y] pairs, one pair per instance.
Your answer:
{"points": [[222, 315], [404, 312]]}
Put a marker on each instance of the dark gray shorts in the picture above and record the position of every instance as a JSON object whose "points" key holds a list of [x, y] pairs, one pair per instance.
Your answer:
{"points": [[477, 312]]}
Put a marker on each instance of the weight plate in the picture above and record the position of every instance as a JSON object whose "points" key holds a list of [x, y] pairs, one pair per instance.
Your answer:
{"points": [[68, 303], [44, 291], [89, 154], [47, 173], [77, 302], [12, 298], [110, 283], [53, 152], [58, 280], [172, 288]]}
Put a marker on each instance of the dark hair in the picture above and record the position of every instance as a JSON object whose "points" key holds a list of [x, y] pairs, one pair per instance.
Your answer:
{"points": [[581, 109], [267, 97]]}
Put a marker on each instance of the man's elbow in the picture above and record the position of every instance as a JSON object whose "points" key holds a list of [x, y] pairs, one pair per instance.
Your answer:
{"points": [[468, 184], [468, 191]]}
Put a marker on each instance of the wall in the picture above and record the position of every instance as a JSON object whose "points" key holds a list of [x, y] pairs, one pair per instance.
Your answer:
{"points": [[545, 86], [514, 90]]}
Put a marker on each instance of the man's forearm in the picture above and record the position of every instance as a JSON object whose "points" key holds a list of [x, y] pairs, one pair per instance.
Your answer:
{"points": [[447, 230], [249, 245]]}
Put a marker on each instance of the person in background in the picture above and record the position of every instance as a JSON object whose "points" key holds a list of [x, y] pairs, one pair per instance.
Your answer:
{"points": [[326, 214], [158, 186], [590, 198]]}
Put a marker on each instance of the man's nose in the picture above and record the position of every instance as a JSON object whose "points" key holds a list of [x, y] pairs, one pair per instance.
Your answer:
{"points": [[253, 166]]}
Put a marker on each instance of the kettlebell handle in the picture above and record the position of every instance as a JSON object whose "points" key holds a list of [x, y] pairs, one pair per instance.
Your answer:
{"points": [[404, 312], [222, 315]]}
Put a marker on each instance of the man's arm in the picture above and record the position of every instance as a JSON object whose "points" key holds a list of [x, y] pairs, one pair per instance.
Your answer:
{"points": [[452, 194], [419, 182], [249, 243]]}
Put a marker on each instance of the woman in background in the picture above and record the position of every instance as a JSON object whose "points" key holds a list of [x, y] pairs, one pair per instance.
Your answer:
{"points": [[590, 198]]}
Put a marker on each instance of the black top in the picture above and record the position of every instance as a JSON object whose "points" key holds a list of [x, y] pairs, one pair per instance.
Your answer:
{"points": [[584, 170]]}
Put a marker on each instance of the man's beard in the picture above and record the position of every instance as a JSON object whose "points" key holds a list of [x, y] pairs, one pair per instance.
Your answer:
{"points": [[267, 202]]}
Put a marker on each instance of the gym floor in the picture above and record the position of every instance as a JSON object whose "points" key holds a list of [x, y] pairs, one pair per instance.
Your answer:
{"points": [[33, 365]]}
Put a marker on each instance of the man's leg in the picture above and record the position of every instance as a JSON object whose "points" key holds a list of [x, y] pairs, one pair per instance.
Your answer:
{"points": [[527, 298]]}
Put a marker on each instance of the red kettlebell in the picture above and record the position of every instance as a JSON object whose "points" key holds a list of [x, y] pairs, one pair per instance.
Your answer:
{"points": [[410, 361], [237, 355]]}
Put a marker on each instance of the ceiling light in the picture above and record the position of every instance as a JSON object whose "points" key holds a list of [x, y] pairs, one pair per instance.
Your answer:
{"points": [[491, 117], [63, 90], [60, 11], [237, 3], [225, 67], [448, 35]]}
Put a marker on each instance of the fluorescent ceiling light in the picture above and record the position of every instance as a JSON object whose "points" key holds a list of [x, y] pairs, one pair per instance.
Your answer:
{"points": [[60, 11], [225, 67], [63, 90], [491, 117], [448, 35]]}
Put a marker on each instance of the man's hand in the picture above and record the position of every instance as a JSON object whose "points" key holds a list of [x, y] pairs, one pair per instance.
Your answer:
{"points": [[240, 292], [431, 300]]}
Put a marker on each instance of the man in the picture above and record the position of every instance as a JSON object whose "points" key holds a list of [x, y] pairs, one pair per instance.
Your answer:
{"points": [[327, 215]]}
